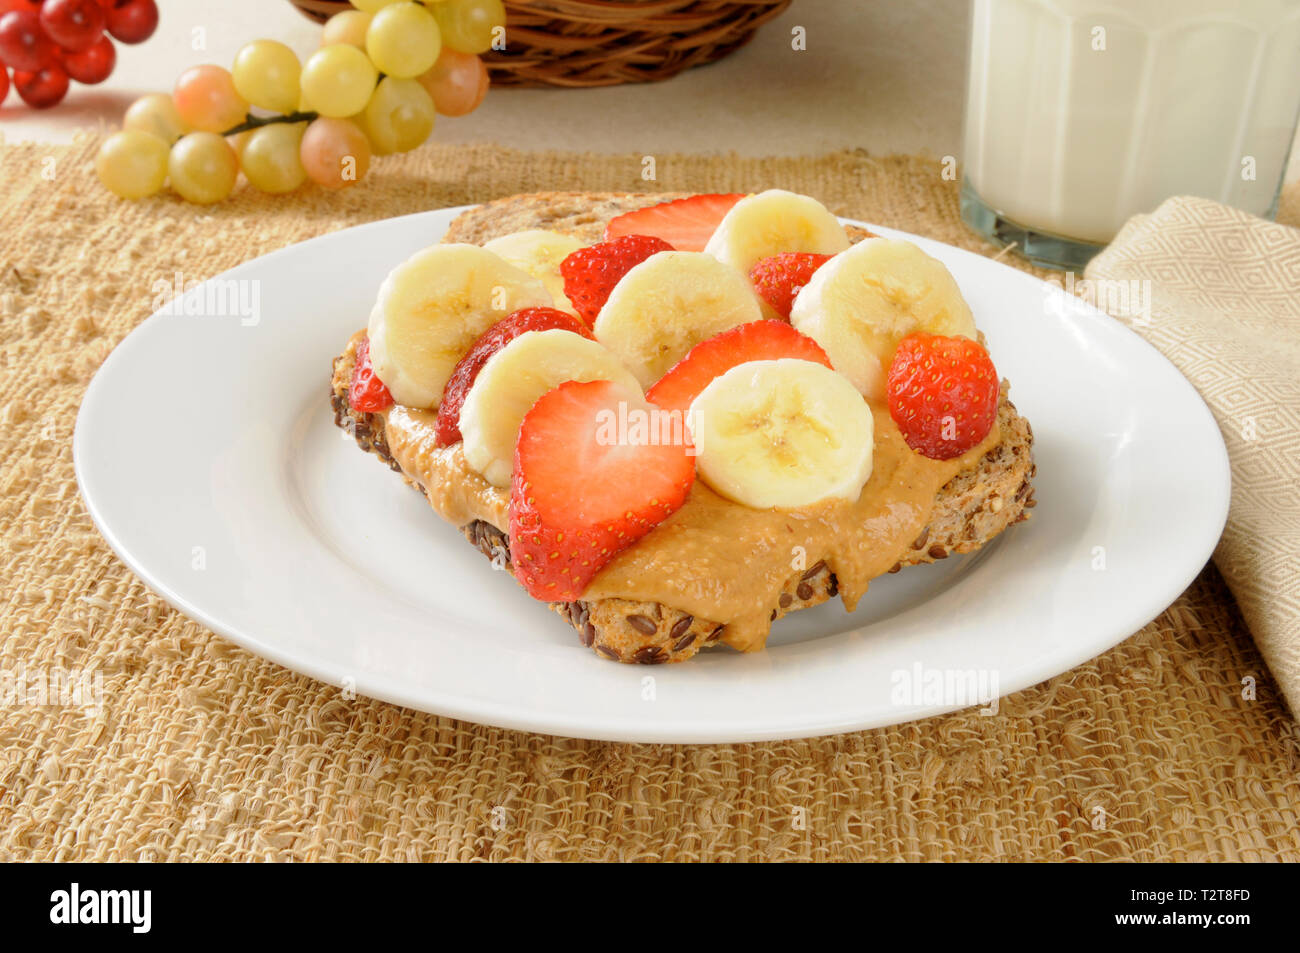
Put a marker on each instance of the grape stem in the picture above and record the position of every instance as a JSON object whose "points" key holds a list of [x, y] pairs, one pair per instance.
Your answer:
{"points": [[257, 122]]}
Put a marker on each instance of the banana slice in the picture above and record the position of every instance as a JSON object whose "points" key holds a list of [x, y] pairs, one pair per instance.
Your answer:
{"points": [[862, 302], [539, 252], [783, 433], [511, 382], [432, 308], [773, 222], [669, 303]]}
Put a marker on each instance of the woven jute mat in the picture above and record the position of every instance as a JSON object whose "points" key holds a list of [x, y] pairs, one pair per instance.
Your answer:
{"points": [[1154, 751]]}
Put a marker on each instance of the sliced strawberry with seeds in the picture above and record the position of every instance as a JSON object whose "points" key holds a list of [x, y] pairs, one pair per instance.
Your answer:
{"points": [[943, 394], [756, 341], [686, 224], [778, 279], [576, 498], [366, 392], [447, 426], [591, 273]]}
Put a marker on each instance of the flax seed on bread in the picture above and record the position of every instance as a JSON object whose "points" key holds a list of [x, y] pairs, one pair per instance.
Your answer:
{"points": [[968, 511]]}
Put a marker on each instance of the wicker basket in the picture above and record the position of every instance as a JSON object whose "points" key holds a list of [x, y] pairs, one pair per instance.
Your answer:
{"points": [[607, 42]]}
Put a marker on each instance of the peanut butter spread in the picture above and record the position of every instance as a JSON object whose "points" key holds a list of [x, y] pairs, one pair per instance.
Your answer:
{"points": [[713, 558]]}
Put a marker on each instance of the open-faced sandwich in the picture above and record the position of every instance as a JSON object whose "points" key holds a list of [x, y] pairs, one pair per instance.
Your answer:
{"points": [[676, 419]]}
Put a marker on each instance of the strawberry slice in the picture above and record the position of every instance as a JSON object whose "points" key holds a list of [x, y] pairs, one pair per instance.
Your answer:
{"points": [[779, 278], [686, 224], [447, 426], [591, 273], [756, 341], [366, 392], [943, 394], [577, 498]]}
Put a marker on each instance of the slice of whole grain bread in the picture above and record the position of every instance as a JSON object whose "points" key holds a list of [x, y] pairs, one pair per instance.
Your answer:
{"points": [[969, 510], [580, 214]]}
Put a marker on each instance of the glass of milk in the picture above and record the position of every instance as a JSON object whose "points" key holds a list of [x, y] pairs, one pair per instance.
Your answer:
{"points": [[1081, 113]]}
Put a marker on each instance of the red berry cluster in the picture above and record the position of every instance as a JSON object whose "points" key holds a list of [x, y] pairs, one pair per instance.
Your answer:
{"points": [[48, 43]]}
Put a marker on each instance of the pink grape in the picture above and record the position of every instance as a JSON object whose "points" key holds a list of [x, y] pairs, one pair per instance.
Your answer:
{"points": [[93, 64], [346, 27], [23, 44], [335, 153], [207, 100], [75, 25], [458, 82], [42, 88]]}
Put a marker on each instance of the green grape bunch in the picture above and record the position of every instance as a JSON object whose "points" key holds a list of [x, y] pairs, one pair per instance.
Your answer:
{"points": [[383, 73]]}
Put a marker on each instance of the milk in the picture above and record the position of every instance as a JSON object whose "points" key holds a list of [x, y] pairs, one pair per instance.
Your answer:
{"points": [[1081, 113]]}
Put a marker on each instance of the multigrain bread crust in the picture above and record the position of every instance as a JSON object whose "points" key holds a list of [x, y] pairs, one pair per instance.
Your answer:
{"points": [[580, 214], [969, 510]]}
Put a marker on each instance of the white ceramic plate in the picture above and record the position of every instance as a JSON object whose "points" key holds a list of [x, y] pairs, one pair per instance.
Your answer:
{"points": [[206, 454]]}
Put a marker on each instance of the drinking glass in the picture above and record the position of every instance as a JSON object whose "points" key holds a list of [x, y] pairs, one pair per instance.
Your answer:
{"points": [[1081, 113]]}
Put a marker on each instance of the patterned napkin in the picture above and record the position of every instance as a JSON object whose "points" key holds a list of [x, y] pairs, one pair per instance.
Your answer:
{"points": [[1219, 295]]}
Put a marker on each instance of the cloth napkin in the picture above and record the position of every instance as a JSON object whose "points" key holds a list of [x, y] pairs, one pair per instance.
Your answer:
{"points": [[1224, 307]]}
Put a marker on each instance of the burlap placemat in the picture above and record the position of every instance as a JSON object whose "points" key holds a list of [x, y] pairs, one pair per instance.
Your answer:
{"points": [[1153, 751]]}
